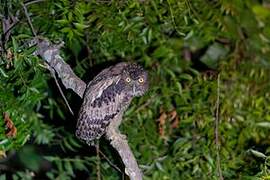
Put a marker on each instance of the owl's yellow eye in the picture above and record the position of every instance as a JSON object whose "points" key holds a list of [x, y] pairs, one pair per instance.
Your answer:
{"points": [[128, 79], [141, 80]]}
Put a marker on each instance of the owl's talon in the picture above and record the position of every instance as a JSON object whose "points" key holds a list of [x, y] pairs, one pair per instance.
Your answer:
{"points": [[119, 135], [114, 135], [91, 143], [122, 136]]}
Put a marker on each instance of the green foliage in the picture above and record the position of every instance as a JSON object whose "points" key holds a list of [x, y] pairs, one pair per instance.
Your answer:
{"points": [[186, 46], [66, 166], [23, 87]]}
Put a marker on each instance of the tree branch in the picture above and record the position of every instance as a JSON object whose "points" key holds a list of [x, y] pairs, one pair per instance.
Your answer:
{"points": [[98, 162], [51, 54], [27, 3], [108, 160], [122, 147], [52, 71], [9, 21], [28, 19], [216, 130]]}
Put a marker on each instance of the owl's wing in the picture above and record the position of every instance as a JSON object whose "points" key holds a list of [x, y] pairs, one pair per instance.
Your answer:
{"points": [[101, 104], [103, 80]]}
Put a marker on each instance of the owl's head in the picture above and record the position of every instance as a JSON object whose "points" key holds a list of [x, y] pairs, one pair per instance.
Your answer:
{"points": [[135, 79]]}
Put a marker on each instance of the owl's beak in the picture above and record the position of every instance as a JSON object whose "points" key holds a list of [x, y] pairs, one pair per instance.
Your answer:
{"points": [[134, 89]]}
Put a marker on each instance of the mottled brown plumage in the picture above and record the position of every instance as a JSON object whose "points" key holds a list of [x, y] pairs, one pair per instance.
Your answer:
{"points": [[107, 96]]}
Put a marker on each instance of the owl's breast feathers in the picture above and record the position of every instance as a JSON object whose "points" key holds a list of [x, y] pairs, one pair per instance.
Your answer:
{"points": [[103, 100]]}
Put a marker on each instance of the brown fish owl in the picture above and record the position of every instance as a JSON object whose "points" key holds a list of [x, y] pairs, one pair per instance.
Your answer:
{"points": [[106, 97]]}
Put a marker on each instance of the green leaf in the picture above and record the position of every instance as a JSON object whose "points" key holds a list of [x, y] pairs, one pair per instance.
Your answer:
{"points": [[3, 73], [3, 177], [263, 124], [80, 26], [68, 168], [261, 12], [258, 154]]}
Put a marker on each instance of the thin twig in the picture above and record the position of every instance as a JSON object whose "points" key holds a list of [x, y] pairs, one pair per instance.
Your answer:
{"points": [[149, 101], [58, 86], [6, 30], [15, 20], [173, 20], [8, 22], [27, 3], [216, 129], [28, 19], [89, 52], [111, 163], [4, 167], [8, 26], [98, 161]]}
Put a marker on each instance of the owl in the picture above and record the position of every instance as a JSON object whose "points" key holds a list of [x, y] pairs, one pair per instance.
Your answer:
{"points": [[106, 97]]}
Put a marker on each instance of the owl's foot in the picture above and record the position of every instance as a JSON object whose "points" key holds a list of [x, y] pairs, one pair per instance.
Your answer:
{"points": [[114, 135], [122, 136], [91, 143]]}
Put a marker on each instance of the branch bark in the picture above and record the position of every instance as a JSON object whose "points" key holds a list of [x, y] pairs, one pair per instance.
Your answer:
{"points": [[216, 130], [122, 147], [51, 54]]}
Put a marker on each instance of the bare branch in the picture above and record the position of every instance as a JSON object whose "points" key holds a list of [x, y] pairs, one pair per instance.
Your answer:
{"points": [[51, 54], [147, 103], [119, 142], [4, 167], [131, 166], [27, 3], [58, 86], [98, 162], [108, 160], [8, 23], [29, 20], [216, 129]]}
